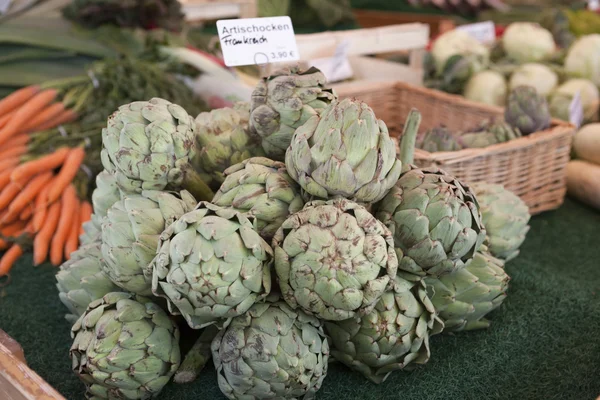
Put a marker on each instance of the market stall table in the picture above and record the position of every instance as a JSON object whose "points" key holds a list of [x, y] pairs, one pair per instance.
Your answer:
{"points": [[544, 342]]}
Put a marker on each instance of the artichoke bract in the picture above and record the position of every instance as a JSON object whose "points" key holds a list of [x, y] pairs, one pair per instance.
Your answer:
{"points": [[505, 217], [81, 280], [394, 336], [283, 102], [464, 297], [223, 140], [261, 188], [149, 145], [124, 347], [92, 232], [271, 352], [130, 234], [346, 151], [527, 110], [435, 220], [211, 265], [334, 259], [104, 196]]}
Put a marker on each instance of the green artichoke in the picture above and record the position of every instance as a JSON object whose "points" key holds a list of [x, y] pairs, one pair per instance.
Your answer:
{"points": [[104, 196], [223, 140], [334, 259], [130, 233], [283, 102], [526, 110], [149, 145], [262, 189], [457, 72], [505, 217], [81, 280], [344, 152], [92, 232], [394, 336], [439, 139], [464, 297], [271, 352], [211, 265], [435, 220], [124, 347], [488, 134]]}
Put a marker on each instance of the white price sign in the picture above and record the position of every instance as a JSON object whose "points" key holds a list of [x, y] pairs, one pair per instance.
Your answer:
{"points": [[485, 31], [576, 110], [594, 5], [336, 68], [257, 40]]}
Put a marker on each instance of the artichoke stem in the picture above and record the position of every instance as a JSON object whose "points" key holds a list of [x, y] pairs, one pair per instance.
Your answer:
{"points": [[196, 358], [196, 186], [409, 138]]}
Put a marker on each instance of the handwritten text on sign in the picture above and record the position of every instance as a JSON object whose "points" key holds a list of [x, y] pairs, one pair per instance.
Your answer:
{"points": [[257, 40]]}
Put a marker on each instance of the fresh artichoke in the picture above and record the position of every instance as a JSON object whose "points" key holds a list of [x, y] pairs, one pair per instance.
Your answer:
{"points": [[92, 232], [130, 233], [334, 259], [271, 352], [81, 280], [505, 217], [435, 220], [149, 145], [224, 140], [346, 151], [457, 72], [394, 336], [211, 265], [439, 139], [526, 110], [464, 297], [104, 196], [488, 134], [283, 102], [124, 347], [262, 189]]}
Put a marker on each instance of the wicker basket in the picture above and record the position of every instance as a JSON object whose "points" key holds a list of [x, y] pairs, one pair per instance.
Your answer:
{"points": [[533, 167]]}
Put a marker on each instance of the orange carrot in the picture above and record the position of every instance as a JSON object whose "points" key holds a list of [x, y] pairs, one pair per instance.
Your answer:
{"points": [[85, 214], [12, 230], [73, 238], [62, 118], [16, 151], [5, 178], [65, 222], [17, 99], [42, 164], [50, 112], [29, 193], [26, 112], [41, 243], [5, 118], [66, 174], [8, 163], [41, 208], [26, 213], [8, 194], [18, 140], [9, 258]]}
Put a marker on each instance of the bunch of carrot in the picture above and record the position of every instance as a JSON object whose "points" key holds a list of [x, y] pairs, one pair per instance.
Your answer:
{"points": [[39, 205]]}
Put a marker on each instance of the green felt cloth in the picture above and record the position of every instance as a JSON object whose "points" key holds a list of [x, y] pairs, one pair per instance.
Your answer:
{"points": [[544, 342]]}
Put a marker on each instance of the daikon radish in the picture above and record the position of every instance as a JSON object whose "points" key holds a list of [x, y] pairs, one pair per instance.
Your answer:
{"points": [[586, 144], [583, 182]]}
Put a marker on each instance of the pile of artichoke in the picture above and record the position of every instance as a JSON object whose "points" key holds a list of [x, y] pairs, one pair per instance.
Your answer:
{"points": [[526, 112], [331, 248]]}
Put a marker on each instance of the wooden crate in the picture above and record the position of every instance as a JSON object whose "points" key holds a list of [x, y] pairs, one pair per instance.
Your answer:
{"points": [[17, 380], [534, 166], [198, 11], [438, 24], [412, 38]]}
